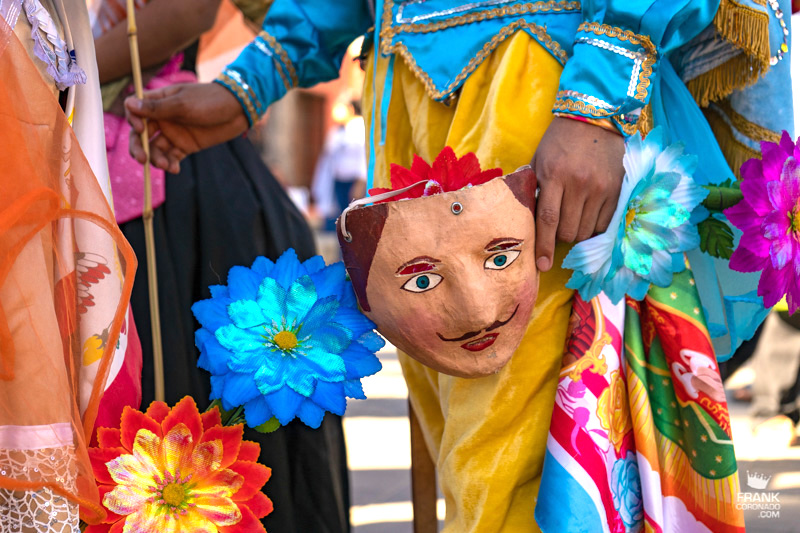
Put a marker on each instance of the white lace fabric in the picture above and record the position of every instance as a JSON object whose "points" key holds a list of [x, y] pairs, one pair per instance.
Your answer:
{"points": [[40, 511]]}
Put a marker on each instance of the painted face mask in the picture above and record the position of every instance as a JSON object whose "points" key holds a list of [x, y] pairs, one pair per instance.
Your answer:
{"points": [[449, 276]]}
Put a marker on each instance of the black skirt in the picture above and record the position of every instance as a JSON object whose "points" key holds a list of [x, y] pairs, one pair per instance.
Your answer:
{"points": [[223, 209]]}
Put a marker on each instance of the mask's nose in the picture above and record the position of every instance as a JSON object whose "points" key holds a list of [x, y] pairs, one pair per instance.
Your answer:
{"points": [[475, 305]]}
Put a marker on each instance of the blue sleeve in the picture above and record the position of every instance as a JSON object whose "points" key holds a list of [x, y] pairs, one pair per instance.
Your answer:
{"points": [[302, 43], [617, 51]]}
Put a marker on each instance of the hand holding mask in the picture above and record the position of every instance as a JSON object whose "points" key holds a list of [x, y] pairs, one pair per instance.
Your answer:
{"points": [[447, 269]]}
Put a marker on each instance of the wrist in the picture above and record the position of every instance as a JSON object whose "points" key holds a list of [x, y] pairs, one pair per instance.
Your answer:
{"points": [[251, 107], [604, 123]]}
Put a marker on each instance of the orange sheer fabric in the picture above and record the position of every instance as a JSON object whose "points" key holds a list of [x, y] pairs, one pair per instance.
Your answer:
{"points": [[66, 274]]}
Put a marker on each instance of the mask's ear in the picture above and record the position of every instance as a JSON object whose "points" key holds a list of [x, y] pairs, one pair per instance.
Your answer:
{"points": [[522, 183], [364, 227]]}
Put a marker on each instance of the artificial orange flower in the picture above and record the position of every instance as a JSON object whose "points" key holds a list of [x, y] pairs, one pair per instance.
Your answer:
{"points": [[177, 471]]}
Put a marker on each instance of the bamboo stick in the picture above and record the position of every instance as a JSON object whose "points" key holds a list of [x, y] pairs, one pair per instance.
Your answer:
{"points": [[147, 215]]}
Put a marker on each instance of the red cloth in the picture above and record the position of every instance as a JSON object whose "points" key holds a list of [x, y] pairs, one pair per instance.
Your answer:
{"points": [[124, 389]]}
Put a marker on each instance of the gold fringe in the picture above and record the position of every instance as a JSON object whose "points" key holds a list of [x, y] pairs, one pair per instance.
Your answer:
{"points": [[748, 30], [254, 10], [734, 151]]}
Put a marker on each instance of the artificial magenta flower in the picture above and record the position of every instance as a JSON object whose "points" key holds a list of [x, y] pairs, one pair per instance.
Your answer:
{"points": [[769, 217], [286, 340], [448, 173], [650, 228], [177, 471]]}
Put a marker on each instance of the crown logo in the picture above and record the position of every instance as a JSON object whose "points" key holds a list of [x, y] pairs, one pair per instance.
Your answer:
{"points": [[757, 481]]}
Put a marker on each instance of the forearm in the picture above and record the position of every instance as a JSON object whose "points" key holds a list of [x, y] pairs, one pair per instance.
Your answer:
{"points": [[164, 27], [302, 43]]}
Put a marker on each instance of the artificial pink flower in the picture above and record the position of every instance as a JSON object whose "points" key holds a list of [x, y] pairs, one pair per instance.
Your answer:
{"points": [[769, 217], [448, 173]]}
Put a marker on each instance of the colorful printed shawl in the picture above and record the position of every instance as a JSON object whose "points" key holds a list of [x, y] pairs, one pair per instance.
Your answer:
{"points": [[640, 439], [66, 274]]}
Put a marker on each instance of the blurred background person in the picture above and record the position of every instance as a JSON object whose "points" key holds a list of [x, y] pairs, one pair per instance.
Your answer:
{"points": [[224, 208], [341, 172]]}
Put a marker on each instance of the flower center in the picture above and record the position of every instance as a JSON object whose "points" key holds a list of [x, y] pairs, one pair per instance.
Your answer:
{"points": [[285, 340], [173, 494], [629, 216], [794, 219]]}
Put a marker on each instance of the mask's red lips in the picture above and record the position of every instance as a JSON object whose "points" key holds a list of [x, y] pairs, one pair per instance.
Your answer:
{"points": [[482, 343]]}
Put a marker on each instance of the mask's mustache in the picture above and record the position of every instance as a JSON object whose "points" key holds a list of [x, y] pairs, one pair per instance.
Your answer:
{"points": [[471, 334]]}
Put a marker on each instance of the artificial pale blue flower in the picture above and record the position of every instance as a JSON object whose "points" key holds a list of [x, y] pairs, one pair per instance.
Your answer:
{"points": [[626, 490], [650, 229], [286, 340]]}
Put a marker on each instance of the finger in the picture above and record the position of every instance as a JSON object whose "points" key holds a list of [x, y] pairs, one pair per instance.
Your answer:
{"points": [[136, 122], [605, 216], [175, 155], [570, 217], [548, 210], [163, 103], [159, 148], [135, 147], [588, 223]]}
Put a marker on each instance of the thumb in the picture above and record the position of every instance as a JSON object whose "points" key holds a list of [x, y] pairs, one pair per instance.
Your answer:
{"points": [[155, 105]]}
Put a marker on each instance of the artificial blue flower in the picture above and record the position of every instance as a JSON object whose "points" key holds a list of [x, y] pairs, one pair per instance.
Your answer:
{"points": [[650, 229], [286, 340]]}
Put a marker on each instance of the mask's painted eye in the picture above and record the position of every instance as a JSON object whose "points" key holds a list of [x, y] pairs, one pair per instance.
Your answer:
{"points": [[422, 282], [501, 260]]}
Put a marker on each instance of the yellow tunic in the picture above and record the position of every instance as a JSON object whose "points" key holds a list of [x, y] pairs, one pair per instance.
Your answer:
{"points": [[488, 435]]}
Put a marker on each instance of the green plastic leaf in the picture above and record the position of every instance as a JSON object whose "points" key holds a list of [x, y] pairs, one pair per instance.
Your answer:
{"points": [[721, 197], [716, 238], [269, 426]]}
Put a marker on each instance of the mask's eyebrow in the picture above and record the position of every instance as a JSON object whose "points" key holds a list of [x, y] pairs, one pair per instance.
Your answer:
{"points": [[422, 263], [503, 243]]}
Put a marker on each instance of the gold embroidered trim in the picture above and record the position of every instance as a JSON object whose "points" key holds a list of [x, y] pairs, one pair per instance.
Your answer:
{"points": [[633, 38], [578, 106], [400, 49], [567, 104], [645, 123], [388, 31], [231, 84], [736, 153], [270, 40], [281, 73], [629, 128], [747, 128]]}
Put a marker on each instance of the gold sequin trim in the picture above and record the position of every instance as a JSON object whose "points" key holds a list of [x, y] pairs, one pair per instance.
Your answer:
{"points": [[539, 31], [633, 38], [230, 83], [270, 40], [388, 31]]}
